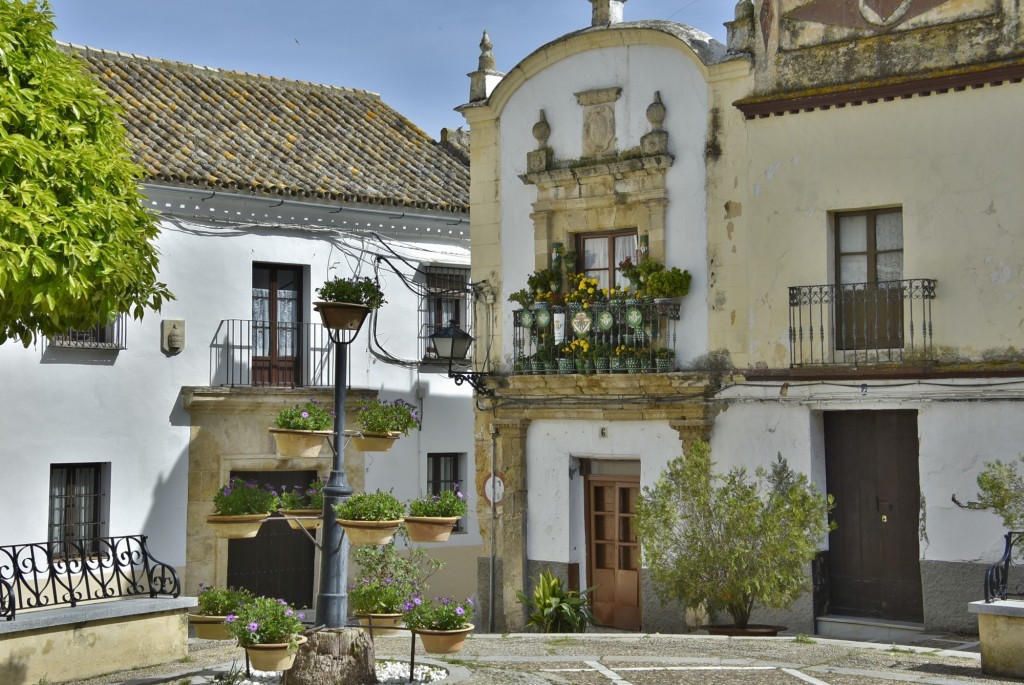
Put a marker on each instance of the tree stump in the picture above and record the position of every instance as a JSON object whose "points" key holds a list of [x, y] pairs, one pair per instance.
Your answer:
{"points": [[339, 656]]}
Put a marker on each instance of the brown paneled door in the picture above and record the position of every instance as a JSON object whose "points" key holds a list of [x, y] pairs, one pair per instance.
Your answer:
{"points": [[613, 552], [279, 561], [874, 556]]}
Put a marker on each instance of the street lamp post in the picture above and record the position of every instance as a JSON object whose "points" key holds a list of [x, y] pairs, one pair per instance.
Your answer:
{"points": [[332, 599]]}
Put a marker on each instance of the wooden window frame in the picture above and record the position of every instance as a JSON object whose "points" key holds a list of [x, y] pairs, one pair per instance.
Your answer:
{"points": [[613, 271]]}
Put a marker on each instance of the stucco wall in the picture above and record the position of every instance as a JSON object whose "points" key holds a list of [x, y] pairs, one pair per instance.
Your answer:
{"points": [[951, 161], [125, 408]]}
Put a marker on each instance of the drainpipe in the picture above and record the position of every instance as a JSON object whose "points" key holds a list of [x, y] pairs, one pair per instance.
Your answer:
{"points": [[494, 516]]}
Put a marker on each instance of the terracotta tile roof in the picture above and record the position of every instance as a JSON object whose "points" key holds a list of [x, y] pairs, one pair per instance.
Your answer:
{"points": [[198, 126]]}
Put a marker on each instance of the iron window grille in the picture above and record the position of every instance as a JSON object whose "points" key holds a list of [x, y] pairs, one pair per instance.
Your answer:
{"points": [[78, 507], [445, 299], [442, 475], [108, 336]]}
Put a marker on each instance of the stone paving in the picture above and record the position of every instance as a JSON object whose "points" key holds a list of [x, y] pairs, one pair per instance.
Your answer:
{"points": [[632, 659]]}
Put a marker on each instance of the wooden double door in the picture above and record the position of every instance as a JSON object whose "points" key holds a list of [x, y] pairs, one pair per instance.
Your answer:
{"points": [[613, 550], [874, 554]]}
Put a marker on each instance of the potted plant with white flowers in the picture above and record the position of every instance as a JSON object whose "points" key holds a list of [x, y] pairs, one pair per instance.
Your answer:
{"points": [[299, 431]]}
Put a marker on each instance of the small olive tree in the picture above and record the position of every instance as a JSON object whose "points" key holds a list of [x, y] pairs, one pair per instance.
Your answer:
{"points": [[726, 542], [74, 234], [1001, 489]]}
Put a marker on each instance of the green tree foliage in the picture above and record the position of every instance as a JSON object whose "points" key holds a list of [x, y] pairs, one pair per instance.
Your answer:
{"points": [[726, 542], [1001, 489], [74, 235]]}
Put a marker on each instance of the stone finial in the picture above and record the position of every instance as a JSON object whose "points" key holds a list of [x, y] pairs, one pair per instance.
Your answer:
{"points": [[740, 31], [483, 80], [656, 112], [655, 142], [542, 158], [606, 12], [542, 131], [486, 56]]}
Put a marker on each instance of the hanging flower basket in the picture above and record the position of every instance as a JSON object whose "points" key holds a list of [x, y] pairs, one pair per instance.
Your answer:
{"points": [[444, 641], [236, 527], [273, 657], [381, 625], [430, 528], [366, 441], [341, 315], [369, 532], [298, 443], [310, 519], [210, 627]]}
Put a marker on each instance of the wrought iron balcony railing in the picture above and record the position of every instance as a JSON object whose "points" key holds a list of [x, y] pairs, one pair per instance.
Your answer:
{"points": [[634, 336], [861, 323], [264, 353]]}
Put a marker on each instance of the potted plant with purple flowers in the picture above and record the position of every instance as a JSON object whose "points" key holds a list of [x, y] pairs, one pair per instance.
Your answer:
{"points": [[382, 422], [345, 302], [442, 624], [432, 518], [240, 508], [386, 579], [214, 605], [370, 518], [270, 630], [299, 431], [303, 507]]}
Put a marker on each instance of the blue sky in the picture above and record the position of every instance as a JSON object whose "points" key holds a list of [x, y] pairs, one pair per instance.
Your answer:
{"points": [[415, 53]]}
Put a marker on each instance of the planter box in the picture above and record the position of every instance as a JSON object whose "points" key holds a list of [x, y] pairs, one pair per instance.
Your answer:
{"points": [[1001, 629]]}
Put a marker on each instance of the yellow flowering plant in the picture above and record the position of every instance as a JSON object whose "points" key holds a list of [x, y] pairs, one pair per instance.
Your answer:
{"points": [[577, 348], [584, 290]]}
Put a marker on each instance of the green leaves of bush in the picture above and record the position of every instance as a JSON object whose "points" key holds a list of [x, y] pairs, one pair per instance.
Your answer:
{"points": [[555, 610], [74, 249]]}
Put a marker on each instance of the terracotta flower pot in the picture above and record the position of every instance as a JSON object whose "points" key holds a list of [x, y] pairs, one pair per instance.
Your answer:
{"points": [[210, 627], [381, 624], [272, 657], [366, 441], [296, 443], [310, 519], [430, 528], [236, 527], [361, 533], [342, 315], [444, 641]]}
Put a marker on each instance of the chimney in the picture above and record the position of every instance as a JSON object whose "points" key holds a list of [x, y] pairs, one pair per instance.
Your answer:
{"points": [[606, 12]]}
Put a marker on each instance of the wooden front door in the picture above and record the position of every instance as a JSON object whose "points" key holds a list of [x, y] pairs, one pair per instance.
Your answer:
{"points": [[279, 561], [613, 552], [276, 329], [874, 557]]}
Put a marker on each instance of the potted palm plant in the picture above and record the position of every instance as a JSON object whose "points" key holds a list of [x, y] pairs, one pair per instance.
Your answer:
{"points": [[381, 423], [303, 507], [370, 518], [214, 605], [240, 508], [299, 431], [442, 624], [270, 631], [431, 519], [345, 302]]}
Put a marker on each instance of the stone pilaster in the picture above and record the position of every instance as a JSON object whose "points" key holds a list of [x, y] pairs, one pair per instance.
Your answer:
{"points": [[510, 458], [692, 429]]}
